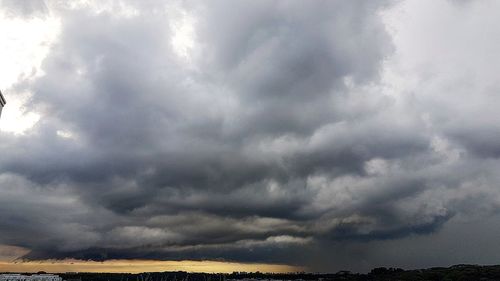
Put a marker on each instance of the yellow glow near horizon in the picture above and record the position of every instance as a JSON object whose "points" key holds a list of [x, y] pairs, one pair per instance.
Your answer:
{"points": [[138, 266]]}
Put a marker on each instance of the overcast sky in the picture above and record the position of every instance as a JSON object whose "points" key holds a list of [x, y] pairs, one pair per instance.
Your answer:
{"points": [[326, 134]]}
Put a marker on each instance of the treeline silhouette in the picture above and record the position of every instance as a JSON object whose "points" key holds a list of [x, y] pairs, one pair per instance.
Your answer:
{"points": [[453, 273]]}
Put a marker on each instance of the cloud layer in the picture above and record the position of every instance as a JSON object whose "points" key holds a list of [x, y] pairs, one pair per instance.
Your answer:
{"points": [[253, 131]]}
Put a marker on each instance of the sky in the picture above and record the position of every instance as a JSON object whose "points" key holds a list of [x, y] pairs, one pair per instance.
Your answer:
{"points": [[256, 135]]}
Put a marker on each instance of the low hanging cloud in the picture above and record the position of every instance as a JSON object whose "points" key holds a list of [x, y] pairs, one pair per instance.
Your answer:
{"points": [[273, 136]]}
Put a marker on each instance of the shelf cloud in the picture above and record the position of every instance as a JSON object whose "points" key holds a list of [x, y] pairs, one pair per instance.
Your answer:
{"points": [[307, 133]]}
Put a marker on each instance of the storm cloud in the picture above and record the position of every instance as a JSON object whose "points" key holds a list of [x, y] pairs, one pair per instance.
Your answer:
{"points": [[256, 131]]}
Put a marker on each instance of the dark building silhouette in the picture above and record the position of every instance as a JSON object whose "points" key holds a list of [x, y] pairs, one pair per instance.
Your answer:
{"points": [[2, 102]]}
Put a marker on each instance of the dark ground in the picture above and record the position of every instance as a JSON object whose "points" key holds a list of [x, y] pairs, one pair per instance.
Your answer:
{"points": [[457, 272]]}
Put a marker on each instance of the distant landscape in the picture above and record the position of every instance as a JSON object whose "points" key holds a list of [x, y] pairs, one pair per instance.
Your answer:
{"points": [[455, 273]]}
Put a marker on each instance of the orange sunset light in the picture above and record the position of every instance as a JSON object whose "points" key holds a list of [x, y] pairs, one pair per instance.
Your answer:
{"points": [[138, 266]]}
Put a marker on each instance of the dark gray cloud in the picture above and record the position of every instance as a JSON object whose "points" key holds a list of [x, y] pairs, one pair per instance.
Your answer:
{"points": [[273, 141]]}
